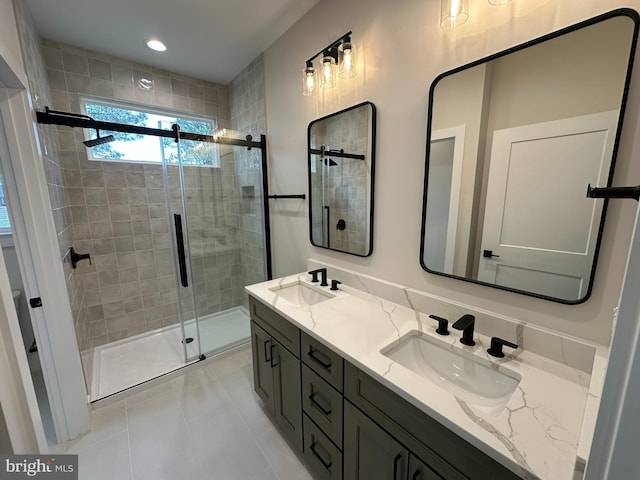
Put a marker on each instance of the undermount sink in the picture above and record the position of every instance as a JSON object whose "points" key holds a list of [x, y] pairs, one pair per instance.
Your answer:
{"points": [[301, 294], [469, 378]]}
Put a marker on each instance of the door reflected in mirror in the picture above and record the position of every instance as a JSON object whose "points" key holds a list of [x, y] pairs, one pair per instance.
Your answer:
{"points": [[514, 140], [341, 161]]}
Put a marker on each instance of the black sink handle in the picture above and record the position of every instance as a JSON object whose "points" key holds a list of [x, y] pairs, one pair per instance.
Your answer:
{"points": [[442, 325], [496, 346]]}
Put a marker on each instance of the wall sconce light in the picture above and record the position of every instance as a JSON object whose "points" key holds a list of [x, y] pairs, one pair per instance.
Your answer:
{"points": [[337, 60], [453, 13], [348, 64], [329, 67], [309, 80]]}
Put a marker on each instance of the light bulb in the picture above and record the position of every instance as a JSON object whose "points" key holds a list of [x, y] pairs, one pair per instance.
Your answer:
{"points": [[348, 65], [453, 13], [309, 81], [328, 75]]}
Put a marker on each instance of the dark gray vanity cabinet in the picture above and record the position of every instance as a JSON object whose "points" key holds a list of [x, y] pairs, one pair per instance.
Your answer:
{"points": [[276, 369], [436, 452], [348, 425], [262, 369], [322, 406], [373, 453]]}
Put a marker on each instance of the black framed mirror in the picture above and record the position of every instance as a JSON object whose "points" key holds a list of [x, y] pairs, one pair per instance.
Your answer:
{"points": [[341, 164], [513, 140]]}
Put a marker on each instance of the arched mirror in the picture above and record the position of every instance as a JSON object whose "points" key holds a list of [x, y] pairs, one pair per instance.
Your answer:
{"points": [[513, 141]]}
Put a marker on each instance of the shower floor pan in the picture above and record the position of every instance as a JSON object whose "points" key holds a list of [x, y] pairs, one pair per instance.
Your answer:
{"points": [[129, 362]]}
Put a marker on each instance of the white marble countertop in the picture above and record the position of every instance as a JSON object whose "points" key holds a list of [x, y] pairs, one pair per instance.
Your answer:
{"points": [[539, 434]]}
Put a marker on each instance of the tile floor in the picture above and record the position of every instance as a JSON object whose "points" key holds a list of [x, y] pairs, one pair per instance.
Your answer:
{"points": [[203, 424]]}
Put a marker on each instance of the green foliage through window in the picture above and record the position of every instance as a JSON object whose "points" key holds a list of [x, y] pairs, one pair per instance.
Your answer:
{"points": [[145, 148]]}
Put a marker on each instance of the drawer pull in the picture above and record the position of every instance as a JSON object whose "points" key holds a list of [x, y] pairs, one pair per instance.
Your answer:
{"points": [[273, 357], [396, 461], [314, 402], [267, 360], [324, 463], [416, 475], [316, 355]]}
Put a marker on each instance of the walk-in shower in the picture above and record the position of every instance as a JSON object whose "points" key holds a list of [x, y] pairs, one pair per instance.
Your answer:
{"points": [[187, 238]]}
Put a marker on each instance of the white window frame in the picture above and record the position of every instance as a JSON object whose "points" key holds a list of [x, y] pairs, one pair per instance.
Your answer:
{"points": [[123, 104]]}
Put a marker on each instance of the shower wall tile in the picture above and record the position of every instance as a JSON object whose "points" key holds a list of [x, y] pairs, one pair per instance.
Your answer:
{"points": [[118, 209], [248, 114], [112, 210], [34, 56]]}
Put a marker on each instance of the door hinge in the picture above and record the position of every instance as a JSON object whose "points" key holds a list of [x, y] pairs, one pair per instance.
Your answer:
{"points": [[35, 302]]}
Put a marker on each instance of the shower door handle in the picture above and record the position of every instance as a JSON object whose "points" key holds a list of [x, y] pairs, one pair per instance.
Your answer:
{"points": [[182, 260]]}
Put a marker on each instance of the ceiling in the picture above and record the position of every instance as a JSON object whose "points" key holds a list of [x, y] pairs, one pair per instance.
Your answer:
{"points": [[208, 39]]}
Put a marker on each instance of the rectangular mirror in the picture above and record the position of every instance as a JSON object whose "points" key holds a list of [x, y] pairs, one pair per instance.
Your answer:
{"points": [[513, 141], [341, 152]]}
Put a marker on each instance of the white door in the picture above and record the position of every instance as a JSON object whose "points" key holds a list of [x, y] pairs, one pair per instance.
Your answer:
{"points": [[538, 220], [443, 198]]}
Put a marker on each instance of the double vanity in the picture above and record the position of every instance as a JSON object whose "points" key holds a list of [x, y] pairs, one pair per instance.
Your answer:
{"points": [[372, 380], [361, 382]]}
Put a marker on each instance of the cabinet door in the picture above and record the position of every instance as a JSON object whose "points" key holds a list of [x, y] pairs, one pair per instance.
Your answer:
{"points": [[370, 452], [287, 393], [421, 471], [262, 350]]}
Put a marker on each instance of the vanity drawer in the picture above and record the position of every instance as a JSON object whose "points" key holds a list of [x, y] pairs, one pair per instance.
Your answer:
{"points": [[322, 360], [320, 453], [278, 327], [434, 444], [323, 404]]}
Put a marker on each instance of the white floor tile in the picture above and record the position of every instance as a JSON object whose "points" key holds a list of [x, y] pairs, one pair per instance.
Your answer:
{"points": [[205, 424], [196, 402], [105, 460], [168, 453], [284, 462], [266, 475], [248, 404], [105, 422], [225, 444]]}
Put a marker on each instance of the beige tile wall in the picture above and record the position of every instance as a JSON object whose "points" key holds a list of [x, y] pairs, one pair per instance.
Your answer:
{"points": [[118, 210], [52, 161], [248, 114]]}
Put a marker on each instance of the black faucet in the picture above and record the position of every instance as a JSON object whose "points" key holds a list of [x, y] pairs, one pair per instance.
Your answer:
{"points": [[323, 274], [466, 323], [496, 346], [334, 284]]}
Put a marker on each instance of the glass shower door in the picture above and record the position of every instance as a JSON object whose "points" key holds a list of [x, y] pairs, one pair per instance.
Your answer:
{"points": [[224, 237], [178, 208]]}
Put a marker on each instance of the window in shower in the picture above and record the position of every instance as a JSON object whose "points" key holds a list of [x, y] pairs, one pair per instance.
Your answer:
{"points": [[5, 224], [131, 147]]}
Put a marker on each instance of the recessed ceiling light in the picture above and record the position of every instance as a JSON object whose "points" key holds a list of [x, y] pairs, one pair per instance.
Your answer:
{"points": [[156, 45]]}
